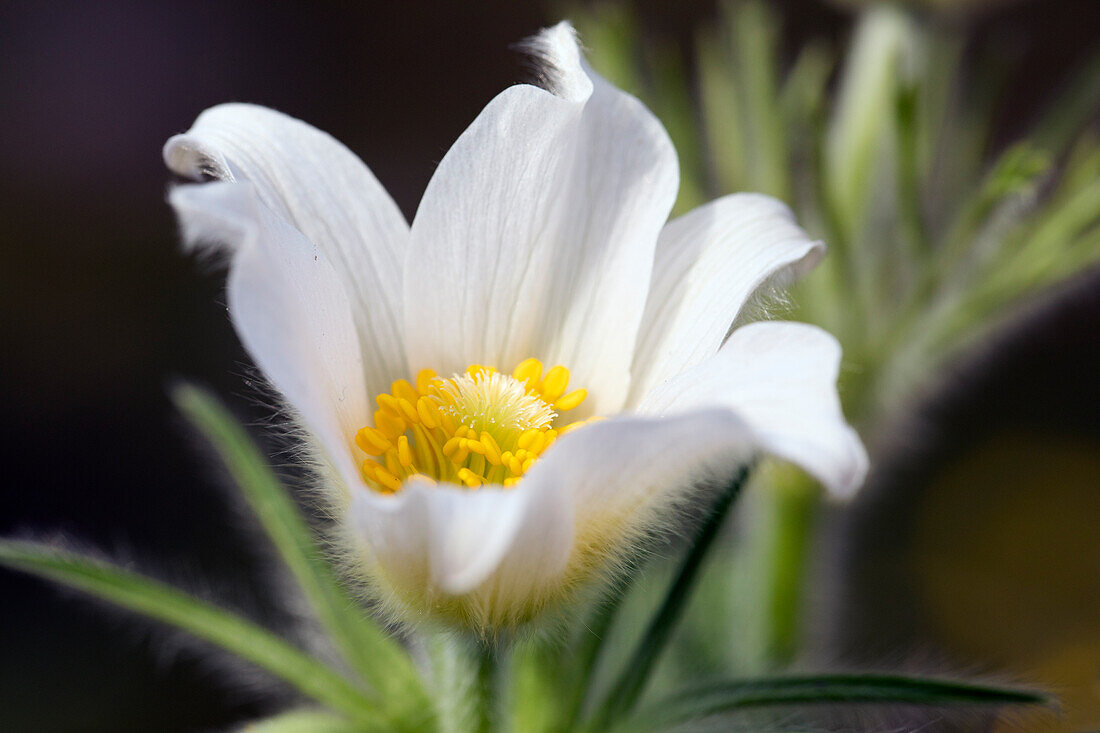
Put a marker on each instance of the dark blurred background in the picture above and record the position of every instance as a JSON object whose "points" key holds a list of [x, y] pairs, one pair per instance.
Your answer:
{"points": [[101, 312]]}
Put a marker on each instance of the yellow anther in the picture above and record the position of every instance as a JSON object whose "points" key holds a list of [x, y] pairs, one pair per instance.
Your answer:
{"points": [[428, 412], [402, 390], [370, 467], [388, 402], [492, 450], [372, 441], [390, 425], [527, 437], [387, 479], [426, 450], [571, 400], [537, 443], [557, 379], [392, 464], [424, 381], [528, 372], [469, 478], [475, 369], [408, 411], [404, 453], [454, 429]]}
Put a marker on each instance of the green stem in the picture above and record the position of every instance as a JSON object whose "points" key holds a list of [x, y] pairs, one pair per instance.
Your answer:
{"points": [[790, 503], [465, 671], [485, 683]]}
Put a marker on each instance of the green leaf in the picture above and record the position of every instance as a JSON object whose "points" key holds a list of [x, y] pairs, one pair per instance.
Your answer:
{"points": [[302, 721], [910, 214], [169, 605], [630, 683], [755, 38], [372, 653], [671, 100], [578, 670], [850, 689], [803, 95], [861, 116], [1015, 173], [725, 137]]}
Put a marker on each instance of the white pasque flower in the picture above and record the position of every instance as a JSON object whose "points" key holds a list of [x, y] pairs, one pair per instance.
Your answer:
{"points": [[540, 240]]}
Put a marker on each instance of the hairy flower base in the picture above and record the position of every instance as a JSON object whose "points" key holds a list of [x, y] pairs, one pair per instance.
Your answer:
{"points": [[475, 428], [603, 552]]}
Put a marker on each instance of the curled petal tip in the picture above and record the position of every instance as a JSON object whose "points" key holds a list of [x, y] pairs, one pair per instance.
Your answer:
{"points": [[558, 52]]}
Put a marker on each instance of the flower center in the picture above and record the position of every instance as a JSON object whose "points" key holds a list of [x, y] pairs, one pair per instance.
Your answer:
{"points": [[478, 427]]}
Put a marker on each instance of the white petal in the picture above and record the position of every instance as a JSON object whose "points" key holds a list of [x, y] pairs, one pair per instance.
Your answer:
{"points": [[501, 547], [289, 309], [623, 473], [709, 262], [536, 234], [781, 379], [325, 192], [499, 555]]}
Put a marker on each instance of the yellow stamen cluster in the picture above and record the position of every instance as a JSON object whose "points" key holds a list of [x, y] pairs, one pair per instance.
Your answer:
{"points": [[478, 427]]}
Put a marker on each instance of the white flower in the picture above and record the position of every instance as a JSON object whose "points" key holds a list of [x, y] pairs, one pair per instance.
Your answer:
{"points": [[540, 240]]}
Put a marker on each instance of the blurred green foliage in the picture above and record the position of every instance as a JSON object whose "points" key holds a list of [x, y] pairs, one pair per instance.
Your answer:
{"points": [[885, 148]]}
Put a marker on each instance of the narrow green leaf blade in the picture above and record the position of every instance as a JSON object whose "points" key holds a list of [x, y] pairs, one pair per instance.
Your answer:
{"points": [[589, 651], [631, 681], [372, 653], [851, 689], [157, 600], [720, 99], [861, 115], [755, 41]]}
